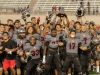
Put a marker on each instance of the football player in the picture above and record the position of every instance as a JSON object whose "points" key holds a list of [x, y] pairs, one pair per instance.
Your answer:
{"points": [[72, 45], [85, 52], [10, 22], [96, 50], [52, 43], [17, 25], [33, 49], [33, 20], [20, 39], [60, 31]]}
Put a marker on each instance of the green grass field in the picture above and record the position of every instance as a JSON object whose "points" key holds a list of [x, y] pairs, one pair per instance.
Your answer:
{"points": [[93, 73]]}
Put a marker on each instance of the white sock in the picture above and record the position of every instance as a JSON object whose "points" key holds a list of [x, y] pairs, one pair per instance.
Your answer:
{"points": [[97, 68], [89, 66], [69, 74]]}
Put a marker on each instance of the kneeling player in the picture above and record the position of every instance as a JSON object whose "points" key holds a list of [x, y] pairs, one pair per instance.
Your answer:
{"points": [[72, 45]]}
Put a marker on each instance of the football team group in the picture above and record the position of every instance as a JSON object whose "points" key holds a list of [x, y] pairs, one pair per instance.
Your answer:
{"points": [[56, 47]]}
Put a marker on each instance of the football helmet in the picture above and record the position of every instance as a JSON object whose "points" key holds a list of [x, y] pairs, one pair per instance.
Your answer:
{"points": [[21, 33], [96, 41], [40, 68]]}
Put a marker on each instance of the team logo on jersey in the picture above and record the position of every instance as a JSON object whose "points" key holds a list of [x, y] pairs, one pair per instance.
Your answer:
{"points": [[42, 40], [85, 40]]}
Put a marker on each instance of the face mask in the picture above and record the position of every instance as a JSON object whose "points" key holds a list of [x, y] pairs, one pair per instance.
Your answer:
{"points": [[72, 36]]}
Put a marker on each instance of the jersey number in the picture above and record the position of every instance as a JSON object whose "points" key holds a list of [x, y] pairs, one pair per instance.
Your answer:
{"points": [[20, 46], [42, 40], [85, 40], [35, 52], [72, 45], [54, 42]]}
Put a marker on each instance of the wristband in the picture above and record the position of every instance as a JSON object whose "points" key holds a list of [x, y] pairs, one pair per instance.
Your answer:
{"points": [[44, 56]]}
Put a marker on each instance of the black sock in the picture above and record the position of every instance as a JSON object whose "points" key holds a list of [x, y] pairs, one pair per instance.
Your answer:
{"points": [[87, 72], [91, 67]]}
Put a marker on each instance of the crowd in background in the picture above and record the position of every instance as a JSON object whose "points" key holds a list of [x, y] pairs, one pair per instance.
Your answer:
{"points": [[21, 9]]}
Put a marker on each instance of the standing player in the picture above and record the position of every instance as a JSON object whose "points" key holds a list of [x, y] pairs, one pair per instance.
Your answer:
{"points": [[17, 25], [33, 20], [60, 32], [78, 29], [72, 45], [33, 49], [52, 43], [92, 35], [20, 39], [9, 47], [96, 50], [9, 22], [84, 52]]}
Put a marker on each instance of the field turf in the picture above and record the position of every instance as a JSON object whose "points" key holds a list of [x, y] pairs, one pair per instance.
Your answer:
{"points": [[93, 73]]}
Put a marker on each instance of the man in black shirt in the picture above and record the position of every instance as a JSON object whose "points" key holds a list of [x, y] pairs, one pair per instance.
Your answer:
{"points": [[9, 48]]}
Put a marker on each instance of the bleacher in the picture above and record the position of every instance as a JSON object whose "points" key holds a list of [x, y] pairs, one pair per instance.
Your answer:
{"points": [[46, 5], [13, 3], [7, 6]]}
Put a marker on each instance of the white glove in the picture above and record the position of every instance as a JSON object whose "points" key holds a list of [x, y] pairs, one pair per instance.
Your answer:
{"points": [[44, 61], [28, 54]]}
